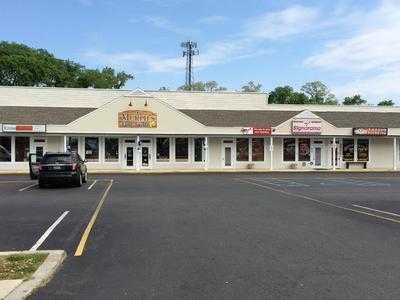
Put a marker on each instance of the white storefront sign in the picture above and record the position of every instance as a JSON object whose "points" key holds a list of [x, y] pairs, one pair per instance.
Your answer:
{"points": [[306, 126], [23, 128]]}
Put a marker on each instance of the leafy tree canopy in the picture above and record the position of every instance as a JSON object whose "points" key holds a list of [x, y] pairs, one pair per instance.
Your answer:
{"points": [[286, 95], [208, 86], [386, 103], [21, 65], [318, 93], [251, 87], [354, 100]]}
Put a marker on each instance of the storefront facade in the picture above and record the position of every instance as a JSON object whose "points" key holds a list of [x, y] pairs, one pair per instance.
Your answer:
{"points": [[125, 130]]}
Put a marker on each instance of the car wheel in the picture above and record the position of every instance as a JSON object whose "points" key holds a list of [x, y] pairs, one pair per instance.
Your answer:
{"points": [[78, 181], [41, 184]]}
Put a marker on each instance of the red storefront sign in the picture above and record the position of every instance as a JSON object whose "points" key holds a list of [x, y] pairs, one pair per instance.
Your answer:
{"points": [[370, 131], [23, 128], [260, 131]]}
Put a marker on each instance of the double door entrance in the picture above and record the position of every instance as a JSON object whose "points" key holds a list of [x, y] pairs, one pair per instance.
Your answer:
{"points": [[138, 155]]}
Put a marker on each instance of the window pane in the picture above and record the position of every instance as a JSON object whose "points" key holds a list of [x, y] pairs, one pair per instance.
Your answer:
{"points": [[198, 149], [5, 148], [21, 148], [289, 149], [363, 150], [91, 148], [348, 150], [162, 149], [181, 149], [242, 149], [257, 149], [304, 149], [111, 149], [72, 145]]}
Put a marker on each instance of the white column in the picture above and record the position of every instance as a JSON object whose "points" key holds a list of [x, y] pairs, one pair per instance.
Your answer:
{"points": [[138, 152], [395, 153], [206, 153], [334, 154], [64, 143], [271, 152]]}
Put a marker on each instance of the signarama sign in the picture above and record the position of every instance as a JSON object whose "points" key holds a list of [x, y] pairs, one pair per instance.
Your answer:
{"points": [[137, 119]]}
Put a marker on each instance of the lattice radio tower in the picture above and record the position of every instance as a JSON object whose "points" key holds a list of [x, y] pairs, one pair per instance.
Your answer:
{"points": [[190, 50]]}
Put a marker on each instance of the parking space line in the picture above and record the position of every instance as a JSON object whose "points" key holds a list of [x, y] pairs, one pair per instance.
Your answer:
{"points": [[377, 210], [281, 182], [92, 185], [48, 231], [320, 202], [85, 235], [27, 187], [14, 181]]}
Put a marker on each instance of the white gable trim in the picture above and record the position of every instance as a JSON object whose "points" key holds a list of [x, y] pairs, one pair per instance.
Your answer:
{"points": [[305, 114]]}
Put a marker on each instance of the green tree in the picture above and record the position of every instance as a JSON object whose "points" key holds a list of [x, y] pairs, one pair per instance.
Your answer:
{"points": [[209, 86], [354, 100], [386, 103], [251, 87], [286, 95], [21, 65], [318, 93], [163, 88]]}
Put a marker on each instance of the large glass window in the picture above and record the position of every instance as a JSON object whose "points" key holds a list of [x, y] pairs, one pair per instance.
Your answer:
{"points": [[72, 144], [363, 150], [257, 149], [162, 149], [289, 149], [22, 146], [111, 147], [92, 148], [5, 148], [348, 150], [198, 149], [242, 149], [181, 149], [304, 149]]}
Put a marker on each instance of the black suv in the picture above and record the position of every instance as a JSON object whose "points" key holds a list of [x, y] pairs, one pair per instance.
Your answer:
{"points": [[63, 166]]}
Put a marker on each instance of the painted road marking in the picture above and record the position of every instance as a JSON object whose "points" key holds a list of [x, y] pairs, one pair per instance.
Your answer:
{"points": [[15, 181], [85, 235], [48, 231], [320, 202], [377, 210], [90, 187], [280, 182], [27, 187]]}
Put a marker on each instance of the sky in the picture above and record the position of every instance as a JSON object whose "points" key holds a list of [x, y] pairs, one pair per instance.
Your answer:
{"points": [[353, 46]]}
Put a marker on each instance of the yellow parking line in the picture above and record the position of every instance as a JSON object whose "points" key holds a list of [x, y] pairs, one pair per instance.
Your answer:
{"points": [[85, 235]]}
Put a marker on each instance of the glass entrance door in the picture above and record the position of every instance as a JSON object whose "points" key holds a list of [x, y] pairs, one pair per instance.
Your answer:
{"points": [[145, 156], [227, 156], [130, 156], [317, 156]]}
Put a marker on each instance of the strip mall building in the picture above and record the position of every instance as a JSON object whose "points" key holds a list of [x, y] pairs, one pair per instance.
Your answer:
{"points": [[120, 130]]}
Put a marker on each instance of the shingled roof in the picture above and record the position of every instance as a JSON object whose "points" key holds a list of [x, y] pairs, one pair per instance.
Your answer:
{"points": [[41, 115]]}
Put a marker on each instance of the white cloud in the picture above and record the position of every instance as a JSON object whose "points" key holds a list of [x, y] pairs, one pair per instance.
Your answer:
{"points": [[246, 43], [213, 20], [370, 55], [164, 24]]}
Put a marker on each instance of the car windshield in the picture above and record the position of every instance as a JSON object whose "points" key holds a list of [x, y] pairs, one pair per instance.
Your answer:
{"points": [[57, 159]]}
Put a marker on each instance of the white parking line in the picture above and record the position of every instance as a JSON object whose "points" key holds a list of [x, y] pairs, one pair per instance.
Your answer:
{"points": [[27, 187], [92, 185], [48, 231], [377, 210]]}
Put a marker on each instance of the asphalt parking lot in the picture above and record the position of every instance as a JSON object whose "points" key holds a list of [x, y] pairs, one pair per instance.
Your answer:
{"points": [[212, 236]]}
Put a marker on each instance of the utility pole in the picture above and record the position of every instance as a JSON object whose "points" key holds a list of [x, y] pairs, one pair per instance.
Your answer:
{"points": [[190, 50]]}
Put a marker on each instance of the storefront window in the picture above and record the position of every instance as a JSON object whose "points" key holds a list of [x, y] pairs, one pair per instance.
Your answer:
{"points": [[91, 148], [257, 149], [181, 149], [304, 149], [363, 150], [162, 149], [348, 150], [5, 148], [289, 149], [242, 149], [198, 149], [22, 146], [72, 145], [111, 147]]}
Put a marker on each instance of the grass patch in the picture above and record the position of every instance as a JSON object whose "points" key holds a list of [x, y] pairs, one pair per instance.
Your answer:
{"points": [[20, 266]]}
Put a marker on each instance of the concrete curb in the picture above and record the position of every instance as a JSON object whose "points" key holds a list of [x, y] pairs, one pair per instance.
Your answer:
{"points": [[42, 275]]}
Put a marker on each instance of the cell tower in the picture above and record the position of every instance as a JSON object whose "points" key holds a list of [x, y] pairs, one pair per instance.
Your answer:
{"points": [[190, 51]]}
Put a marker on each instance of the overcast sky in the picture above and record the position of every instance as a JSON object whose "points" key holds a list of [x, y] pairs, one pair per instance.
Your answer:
{"points": [[352, 46]]}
